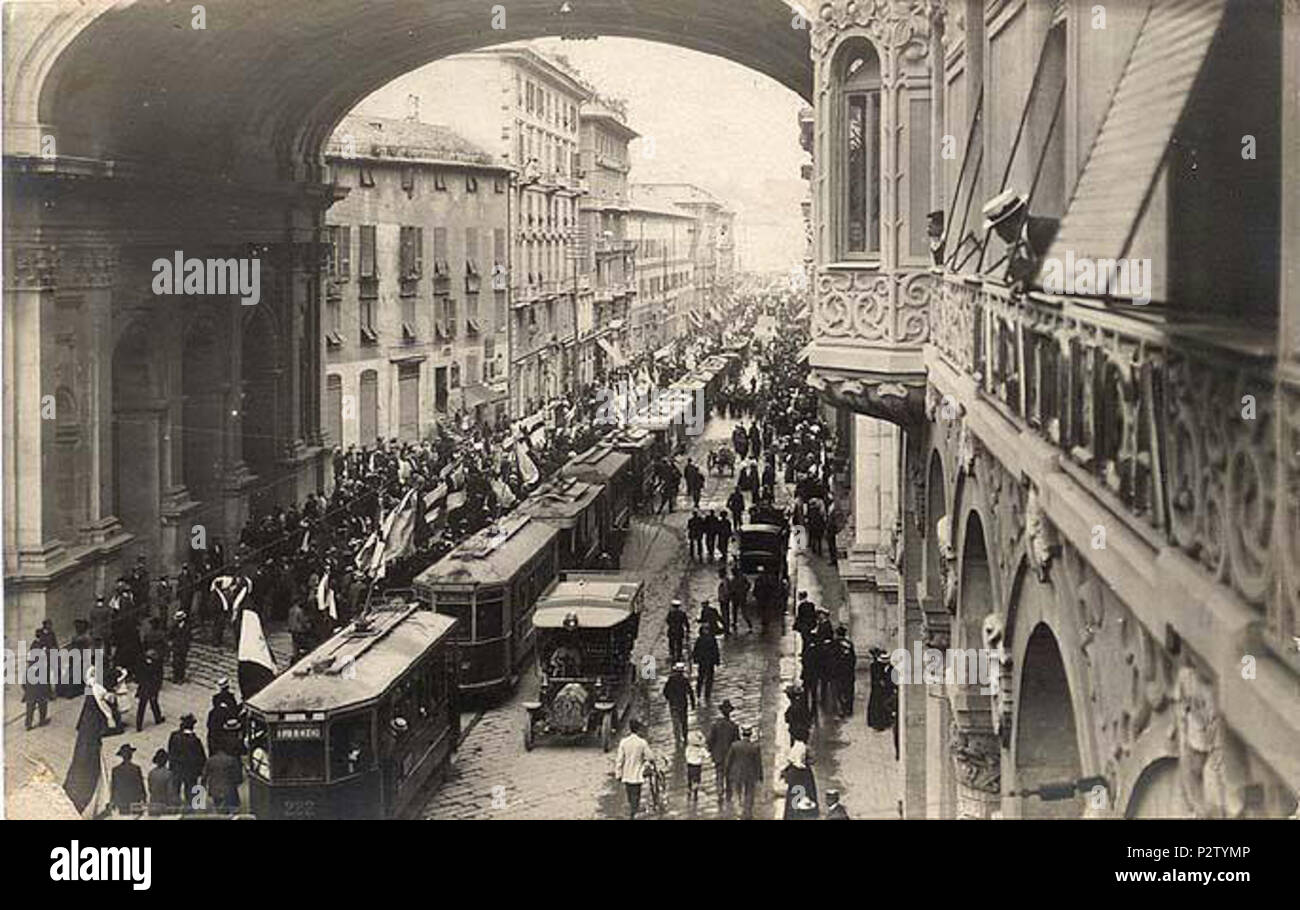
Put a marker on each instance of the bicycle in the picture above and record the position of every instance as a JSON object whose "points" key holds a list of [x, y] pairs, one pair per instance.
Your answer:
{"points": [[657, 787]]}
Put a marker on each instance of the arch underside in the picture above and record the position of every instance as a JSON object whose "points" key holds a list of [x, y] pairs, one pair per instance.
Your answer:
{"points": [[264, 83]]}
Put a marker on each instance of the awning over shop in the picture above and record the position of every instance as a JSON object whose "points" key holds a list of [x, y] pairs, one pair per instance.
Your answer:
{"points": [[715, 314], [804, 352], [1129, 152], [664, 352], [696, 319], [802, 314], [478, 394]]}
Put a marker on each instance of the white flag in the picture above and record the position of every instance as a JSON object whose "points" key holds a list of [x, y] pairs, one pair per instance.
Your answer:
{"points": [[325, 597]]}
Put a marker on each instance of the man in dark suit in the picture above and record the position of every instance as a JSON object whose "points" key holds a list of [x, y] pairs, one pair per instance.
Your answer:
{"points": [[186, 756], [744, 769], [126, 786], [222, 776], [722, 735], [149, 680]]}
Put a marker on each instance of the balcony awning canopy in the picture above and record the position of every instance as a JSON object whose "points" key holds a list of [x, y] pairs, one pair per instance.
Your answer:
{"points": [[478, 394], [1129, 152], [696, 319]]}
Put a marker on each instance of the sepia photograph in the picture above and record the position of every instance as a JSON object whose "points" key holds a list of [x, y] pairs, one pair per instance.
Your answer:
{"points": [[684, 410]]}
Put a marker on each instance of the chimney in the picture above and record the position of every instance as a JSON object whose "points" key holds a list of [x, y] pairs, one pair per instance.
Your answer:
{"points": [[413, 108]]}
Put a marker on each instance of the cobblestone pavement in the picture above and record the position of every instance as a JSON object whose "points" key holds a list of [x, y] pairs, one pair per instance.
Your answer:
{"points": [[492, 775]]}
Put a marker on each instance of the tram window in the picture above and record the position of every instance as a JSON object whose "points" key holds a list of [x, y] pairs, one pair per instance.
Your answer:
{"points": [[460, 610], [297, 759], [490, 624], [350, 748], [259, 756]]}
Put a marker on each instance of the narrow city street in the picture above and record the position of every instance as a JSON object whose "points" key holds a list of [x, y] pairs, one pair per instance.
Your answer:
{"points": [[494, 777]]}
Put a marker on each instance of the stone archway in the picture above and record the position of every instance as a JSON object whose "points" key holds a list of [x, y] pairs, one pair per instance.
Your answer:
{"points": [[1046, 744], [1158, 793]]}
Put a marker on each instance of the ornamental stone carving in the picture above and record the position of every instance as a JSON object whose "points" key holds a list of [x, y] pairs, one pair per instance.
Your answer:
{"points": [[898, 26], [1001, 679], [884, 308], [39, 266], [1040, 536], [977, 758], [1211, 764]]}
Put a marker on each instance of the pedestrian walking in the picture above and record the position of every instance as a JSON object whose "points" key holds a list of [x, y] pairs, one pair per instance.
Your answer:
{"points": [[36, 684], [724, 535], [162, 785], [678, 626], [711, 619], [706, 657], [801, 787], [710, 534], [695, 534], [694, 481], [186, 757], [630, 763], [222, 776], [724, 601], [740, 597], [744, 769], [149, 681], [798, 720], [678, 693], [736, 505], [834, 808], [300, 630], [722, 734], [181, 637], [695, 754], [844, 668], [126, 792]]}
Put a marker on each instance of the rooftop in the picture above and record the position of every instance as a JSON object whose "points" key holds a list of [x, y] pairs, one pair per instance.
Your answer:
{"points": [[387, 137]]}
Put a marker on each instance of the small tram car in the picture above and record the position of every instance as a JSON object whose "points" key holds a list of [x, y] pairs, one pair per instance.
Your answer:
{"points": [[360, 726], [490, 584], [640, 445], [580, 510], [604, 464], [586, 628]]}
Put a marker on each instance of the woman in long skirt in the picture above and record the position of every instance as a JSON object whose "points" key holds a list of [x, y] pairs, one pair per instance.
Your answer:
{"points": [[801, 787]]}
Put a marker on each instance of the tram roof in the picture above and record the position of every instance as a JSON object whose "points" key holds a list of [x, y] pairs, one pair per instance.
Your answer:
{"points": [[355, 666], [598, 604], [563, 498], [492, 555], [602, 461]]}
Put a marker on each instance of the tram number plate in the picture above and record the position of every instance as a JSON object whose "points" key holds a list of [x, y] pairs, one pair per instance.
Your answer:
{"points": [[298, 808]]}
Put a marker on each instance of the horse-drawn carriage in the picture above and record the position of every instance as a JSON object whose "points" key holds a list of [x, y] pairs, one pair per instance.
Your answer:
{"points": [[585, 629], [722, 458]]}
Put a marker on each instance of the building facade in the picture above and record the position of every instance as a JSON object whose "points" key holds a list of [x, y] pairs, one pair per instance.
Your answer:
{"points": [[712, 244], [1086, 484], [523, 107], [660, 311], [415, 311], [604, 212]]}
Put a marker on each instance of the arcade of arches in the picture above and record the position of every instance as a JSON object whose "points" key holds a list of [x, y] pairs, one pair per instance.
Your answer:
{"points": [[181, 412]]}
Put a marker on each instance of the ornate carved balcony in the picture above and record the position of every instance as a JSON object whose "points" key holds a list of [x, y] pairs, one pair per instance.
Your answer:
{"points": [[869, 328], [1174, 423]]}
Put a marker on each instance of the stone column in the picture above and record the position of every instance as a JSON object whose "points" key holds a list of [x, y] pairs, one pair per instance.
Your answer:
{"points": [[912, 700], [976, 753]]}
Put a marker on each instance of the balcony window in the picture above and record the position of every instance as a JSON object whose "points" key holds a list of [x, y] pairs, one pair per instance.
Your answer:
{"points": [[367, 176], [860, 152]]}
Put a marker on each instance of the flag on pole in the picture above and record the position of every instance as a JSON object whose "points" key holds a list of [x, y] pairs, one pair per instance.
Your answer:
{"points": [[256, 664], [232, 590], [504, 494], [400, 529], [367, 552], [325, 597], [527, 470]]}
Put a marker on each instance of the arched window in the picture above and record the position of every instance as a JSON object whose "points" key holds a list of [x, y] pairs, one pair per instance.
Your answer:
{"points": [[858, 73]]}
